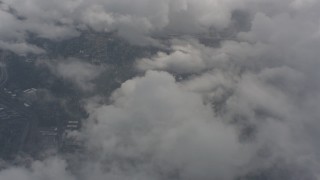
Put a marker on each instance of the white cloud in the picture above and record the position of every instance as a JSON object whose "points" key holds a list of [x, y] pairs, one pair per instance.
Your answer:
{"points": [[155, 122]]}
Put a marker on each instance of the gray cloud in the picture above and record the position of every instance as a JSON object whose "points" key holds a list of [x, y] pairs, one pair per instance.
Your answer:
{"points": [[21, 48], [135, 22], [78, 72], [53, 169], [248, 106]]}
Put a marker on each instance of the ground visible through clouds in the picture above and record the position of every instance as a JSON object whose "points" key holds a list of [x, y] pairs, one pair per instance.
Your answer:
{"points": [[153, 90]]}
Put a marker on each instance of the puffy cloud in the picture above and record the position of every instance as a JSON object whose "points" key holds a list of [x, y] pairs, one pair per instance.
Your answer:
{"points": [[189, 56], [154, 122], [263, 84], [182, 59]]}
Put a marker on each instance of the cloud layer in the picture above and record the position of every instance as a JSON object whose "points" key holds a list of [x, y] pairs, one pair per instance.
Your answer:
{"points": [[136, 22], [247, 107]]}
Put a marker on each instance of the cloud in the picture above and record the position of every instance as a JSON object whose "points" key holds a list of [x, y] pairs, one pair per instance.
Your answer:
{"points": [[247, 107], [136, 22], [78, 72], [21, 48], [263, 84], [189, 56], [154, 122], [53, 169]]}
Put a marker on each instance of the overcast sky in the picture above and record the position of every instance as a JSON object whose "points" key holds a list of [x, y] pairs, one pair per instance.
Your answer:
{"points": [[247, 107]]}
